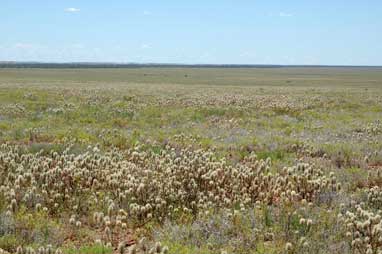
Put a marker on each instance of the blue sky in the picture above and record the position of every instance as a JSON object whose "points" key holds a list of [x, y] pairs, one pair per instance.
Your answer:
{"points": [[239, 32]]}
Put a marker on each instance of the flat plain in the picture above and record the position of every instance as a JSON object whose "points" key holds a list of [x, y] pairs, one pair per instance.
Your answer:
{"points": [[192, 160]]}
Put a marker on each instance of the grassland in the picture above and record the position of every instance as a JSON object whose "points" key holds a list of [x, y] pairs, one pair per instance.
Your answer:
{"points": [[203, 160]]}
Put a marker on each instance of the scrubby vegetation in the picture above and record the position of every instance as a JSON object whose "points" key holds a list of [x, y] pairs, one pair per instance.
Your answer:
{"points": [[191, 161]]}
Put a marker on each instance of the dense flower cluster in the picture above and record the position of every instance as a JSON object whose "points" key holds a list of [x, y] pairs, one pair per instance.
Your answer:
{"points": [[374, 128], [374, 197], [14, 109], [142, 247], [29, 250], [282, 102], [123, 189], [145, 184], [364, 229]]}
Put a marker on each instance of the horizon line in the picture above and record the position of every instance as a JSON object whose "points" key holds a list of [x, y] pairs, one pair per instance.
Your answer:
{"points": [[156, 64]]}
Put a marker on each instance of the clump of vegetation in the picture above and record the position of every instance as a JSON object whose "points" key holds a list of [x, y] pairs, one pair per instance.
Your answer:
{"points": [[121, 189]]}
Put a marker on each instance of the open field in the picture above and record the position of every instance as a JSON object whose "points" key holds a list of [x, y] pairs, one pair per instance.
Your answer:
{"points": [[203, 160]]}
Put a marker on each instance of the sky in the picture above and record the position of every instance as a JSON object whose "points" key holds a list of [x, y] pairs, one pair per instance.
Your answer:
{"points": [[323, 32]]}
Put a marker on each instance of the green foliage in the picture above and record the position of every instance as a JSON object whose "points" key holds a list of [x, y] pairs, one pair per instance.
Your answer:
{"points": [[275, 155], [178, 248], [89, 249], [267, 216], [9, 243]]}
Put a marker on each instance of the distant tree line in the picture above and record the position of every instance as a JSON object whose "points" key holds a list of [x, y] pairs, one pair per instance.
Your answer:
{"points": [[127, 65], [152, 65]]}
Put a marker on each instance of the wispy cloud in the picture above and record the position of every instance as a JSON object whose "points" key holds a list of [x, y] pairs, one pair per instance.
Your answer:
{"points": [[72, 9], [23, 45], [145, 46], [146, 13], [285, 14]]}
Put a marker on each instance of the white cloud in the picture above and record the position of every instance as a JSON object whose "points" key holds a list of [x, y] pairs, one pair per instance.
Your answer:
{"points": [[145, 46], [23, 46], [72, 9], [146, 13], [285, 14], [248, 54]]}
